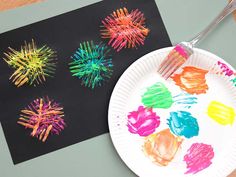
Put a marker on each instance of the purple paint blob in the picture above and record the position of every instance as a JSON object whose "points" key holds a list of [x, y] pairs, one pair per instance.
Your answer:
{"points": [[143, 121], [198, 157]]}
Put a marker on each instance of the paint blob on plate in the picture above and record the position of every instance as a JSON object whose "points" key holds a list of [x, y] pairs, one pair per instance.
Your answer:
{"points": [[221, 113], [157, 96], [143, 121], [182, 123], [162, 147], [192, 80], [198, 157]]}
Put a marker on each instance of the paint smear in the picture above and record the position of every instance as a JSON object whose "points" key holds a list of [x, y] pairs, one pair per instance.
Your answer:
{"points": [[143, 121], [198, 157], [234, 13], [221, 68], [162, 147], [221, 113], [11, 4], [157, 96], [182, 123], [185, 100], [192, 80]]}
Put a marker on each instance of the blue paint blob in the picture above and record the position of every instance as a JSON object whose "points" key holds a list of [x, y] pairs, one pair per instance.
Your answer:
{"points": [[182, 123], [185, 99]]}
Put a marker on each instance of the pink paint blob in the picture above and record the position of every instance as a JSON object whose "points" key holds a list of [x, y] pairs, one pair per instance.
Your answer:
{"points": [[143, 121], [198, 157]]}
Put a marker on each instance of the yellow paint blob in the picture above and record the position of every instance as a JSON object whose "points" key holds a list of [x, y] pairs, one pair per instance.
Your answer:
{"points": [[161, 147], [221, 113]]}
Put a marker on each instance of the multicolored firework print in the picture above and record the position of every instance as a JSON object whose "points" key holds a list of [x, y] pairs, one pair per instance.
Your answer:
{"points": [[44, 117], [31, 64], [92, 64], [124, 29]]}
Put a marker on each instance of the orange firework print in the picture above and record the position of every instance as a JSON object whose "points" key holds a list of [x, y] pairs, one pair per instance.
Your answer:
{"points": [[192, 80], [124, 29]]}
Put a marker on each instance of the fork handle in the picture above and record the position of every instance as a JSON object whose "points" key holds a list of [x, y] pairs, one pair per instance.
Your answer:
{"points": [[225, 12]]}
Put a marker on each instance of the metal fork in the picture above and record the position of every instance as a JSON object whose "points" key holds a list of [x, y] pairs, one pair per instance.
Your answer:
{"points": [[182, 51]]}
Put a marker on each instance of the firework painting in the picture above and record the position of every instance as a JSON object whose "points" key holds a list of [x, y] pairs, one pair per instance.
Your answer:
{"points": [[44, 117], [31, 64], [81, 104], [124, 29], [92, 64]]}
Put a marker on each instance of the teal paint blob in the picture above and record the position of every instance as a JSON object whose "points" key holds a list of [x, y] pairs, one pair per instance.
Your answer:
{"points": [[182, 123]]}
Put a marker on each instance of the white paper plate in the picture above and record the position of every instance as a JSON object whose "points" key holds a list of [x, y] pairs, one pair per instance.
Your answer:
{"points": [[126, 97]]}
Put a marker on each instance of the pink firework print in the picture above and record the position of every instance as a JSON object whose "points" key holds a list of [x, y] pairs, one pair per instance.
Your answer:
{"points": [[44, 117], [143, 121], [124, 29]]}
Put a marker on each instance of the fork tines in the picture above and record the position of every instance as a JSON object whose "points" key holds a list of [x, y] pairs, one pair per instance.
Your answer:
{"points": [[174, 60]]}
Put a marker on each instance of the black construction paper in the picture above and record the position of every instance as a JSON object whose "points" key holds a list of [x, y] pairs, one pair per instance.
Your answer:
{"points": [[85, 109]]}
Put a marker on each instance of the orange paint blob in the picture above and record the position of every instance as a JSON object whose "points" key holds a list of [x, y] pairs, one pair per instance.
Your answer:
{"points": [[192, 80], [162, 147]]}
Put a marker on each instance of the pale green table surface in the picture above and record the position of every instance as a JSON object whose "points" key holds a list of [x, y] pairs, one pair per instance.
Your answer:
{"points": [[97, 157]]}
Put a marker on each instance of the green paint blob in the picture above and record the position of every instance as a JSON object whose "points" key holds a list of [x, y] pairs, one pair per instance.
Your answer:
{"points": [[157, 96]]}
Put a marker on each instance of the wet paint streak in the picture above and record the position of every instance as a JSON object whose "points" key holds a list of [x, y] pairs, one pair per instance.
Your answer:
{"points": [[221, 113], [182, 123], [157, 96], [162, 147], [185, 99], [192, 80], [143, 121], [198, 157]]}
